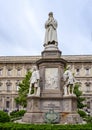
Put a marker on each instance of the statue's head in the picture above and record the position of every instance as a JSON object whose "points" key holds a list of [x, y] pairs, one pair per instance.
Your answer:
{"points": [[50, 14]]}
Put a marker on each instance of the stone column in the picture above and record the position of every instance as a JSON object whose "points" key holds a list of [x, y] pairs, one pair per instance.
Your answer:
{"points": [[12, 104]]}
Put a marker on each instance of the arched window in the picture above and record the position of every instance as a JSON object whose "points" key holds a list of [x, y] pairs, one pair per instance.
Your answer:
{"points": [[9, 72], [9, 86], [18, 72], [1, 71], [7, 104]]}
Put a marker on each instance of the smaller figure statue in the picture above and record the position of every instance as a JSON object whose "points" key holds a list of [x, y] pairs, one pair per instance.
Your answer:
{"points": [[51, 32], [69, 81], [34, 82]]}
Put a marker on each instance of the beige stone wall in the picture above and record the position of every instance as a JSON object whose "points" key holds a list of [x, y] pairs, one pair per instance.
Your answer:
{"points": [[83, 73], [14, 68], [12, 71]]}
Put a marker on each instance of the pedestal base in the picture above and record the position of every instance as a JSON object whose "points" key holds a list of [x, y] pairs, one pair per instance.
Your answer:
{"points": [[65, 107], [70, 118], [55, 53], [33, 118]]}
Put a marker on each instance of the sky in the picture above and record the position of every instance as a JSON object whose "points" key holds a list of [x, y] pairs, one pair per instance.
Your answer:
{"points": [[22, 28]]}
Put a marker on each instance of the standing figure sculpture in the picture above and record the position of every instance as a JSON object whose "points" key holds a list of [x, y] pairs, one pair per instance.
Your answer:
{"points": [[69, 81], [51, 32], [34, 82]]}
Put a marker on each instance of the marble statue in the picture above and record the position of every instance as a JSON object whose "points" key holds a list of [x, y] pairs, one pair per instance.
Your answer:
{"points": [[34, 82], [51, 31], [69, 81]]}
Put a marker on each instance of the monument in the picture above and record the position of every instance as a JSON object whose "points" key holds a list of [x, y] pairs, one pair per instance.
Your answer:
{"points": [[54, 102]]}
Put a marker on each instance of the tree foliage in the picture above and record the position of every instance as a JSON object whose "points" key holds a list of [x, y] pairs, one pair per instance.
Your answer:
{"points": [[23, 90], [80, 99]]}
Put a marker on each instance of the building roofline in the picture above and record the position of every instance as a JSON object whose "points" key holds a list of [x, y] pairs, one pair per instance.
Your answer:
{"points": [[33, 59]]}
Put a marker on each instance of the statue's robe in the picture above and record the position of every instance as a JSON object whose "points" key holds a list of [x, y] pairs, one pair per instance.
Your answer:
{"points": [[51, 33]]}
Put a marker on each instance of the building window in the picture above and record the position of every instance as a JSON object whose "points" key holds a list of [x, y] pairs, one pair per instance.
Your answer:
{"points": [[87, 87], [17, 85], [8, 88], [18, 72], [8, 85], [9, 72], [1, 86], [77, 71], [1, 72], [8, 97], [17, 88], [88, 105], [28, 69], [17, 106], [87, 71], [7, 104]]}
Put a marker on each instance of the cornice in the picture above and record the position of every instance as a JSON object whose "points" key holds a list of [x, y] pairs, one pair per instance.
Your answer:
{"points": [[33, 59], [19, 59]]}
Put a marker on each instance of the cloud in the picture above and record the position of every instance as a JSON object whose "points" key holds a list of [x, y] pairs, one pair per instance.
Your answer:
{"points": [[22, 26]]}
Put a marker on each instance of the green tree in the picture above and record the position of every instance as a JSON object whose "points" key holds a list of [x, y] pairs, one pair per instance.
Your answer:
{"points": [[23, 90], [80, 99]]}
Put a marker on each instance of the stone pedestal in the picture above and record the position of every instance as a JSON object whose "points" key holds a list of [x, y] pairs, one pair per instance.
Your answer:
{"points": [[69, 114], [33, 114], [51, 68], [37, 107], [69, 103], [70, 118]]}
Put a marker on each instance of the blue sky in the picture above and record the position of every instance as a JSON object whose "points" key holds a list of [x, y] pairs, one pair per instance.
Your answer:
{"points": [[22, 26]]}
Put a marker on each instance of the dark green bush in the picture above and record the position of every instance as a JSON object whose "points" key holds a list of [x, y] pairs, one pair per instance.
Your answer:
{"points": [[16, 126], [88, 119], [15, 114], [21, 112], [82, 113], [4, 117]]}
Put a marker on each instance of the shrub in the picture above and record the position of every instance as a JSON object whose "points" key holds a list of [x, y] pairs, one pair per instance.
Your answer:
{"points": [[88, 119], [21, 112], [17, 113], [4, 117], [82, 113], [17, 126]]}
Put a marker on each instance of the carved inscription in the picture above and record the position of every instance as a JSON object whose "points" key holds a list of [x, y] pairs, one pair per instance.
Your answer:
{"points": [[51, 105]]}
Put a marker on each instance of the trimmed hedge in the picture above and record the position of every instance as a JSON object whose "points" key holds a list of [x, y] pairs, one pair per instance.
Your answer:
{"points": [[82, 113], [16, 115], [88, 119], [20, 113], [4, 117], [16, 126]]}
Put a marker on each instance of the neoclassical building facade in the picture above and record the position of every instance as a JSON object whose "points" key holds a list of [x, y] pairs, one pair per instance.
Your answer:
{"points": [[14, 68]]}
